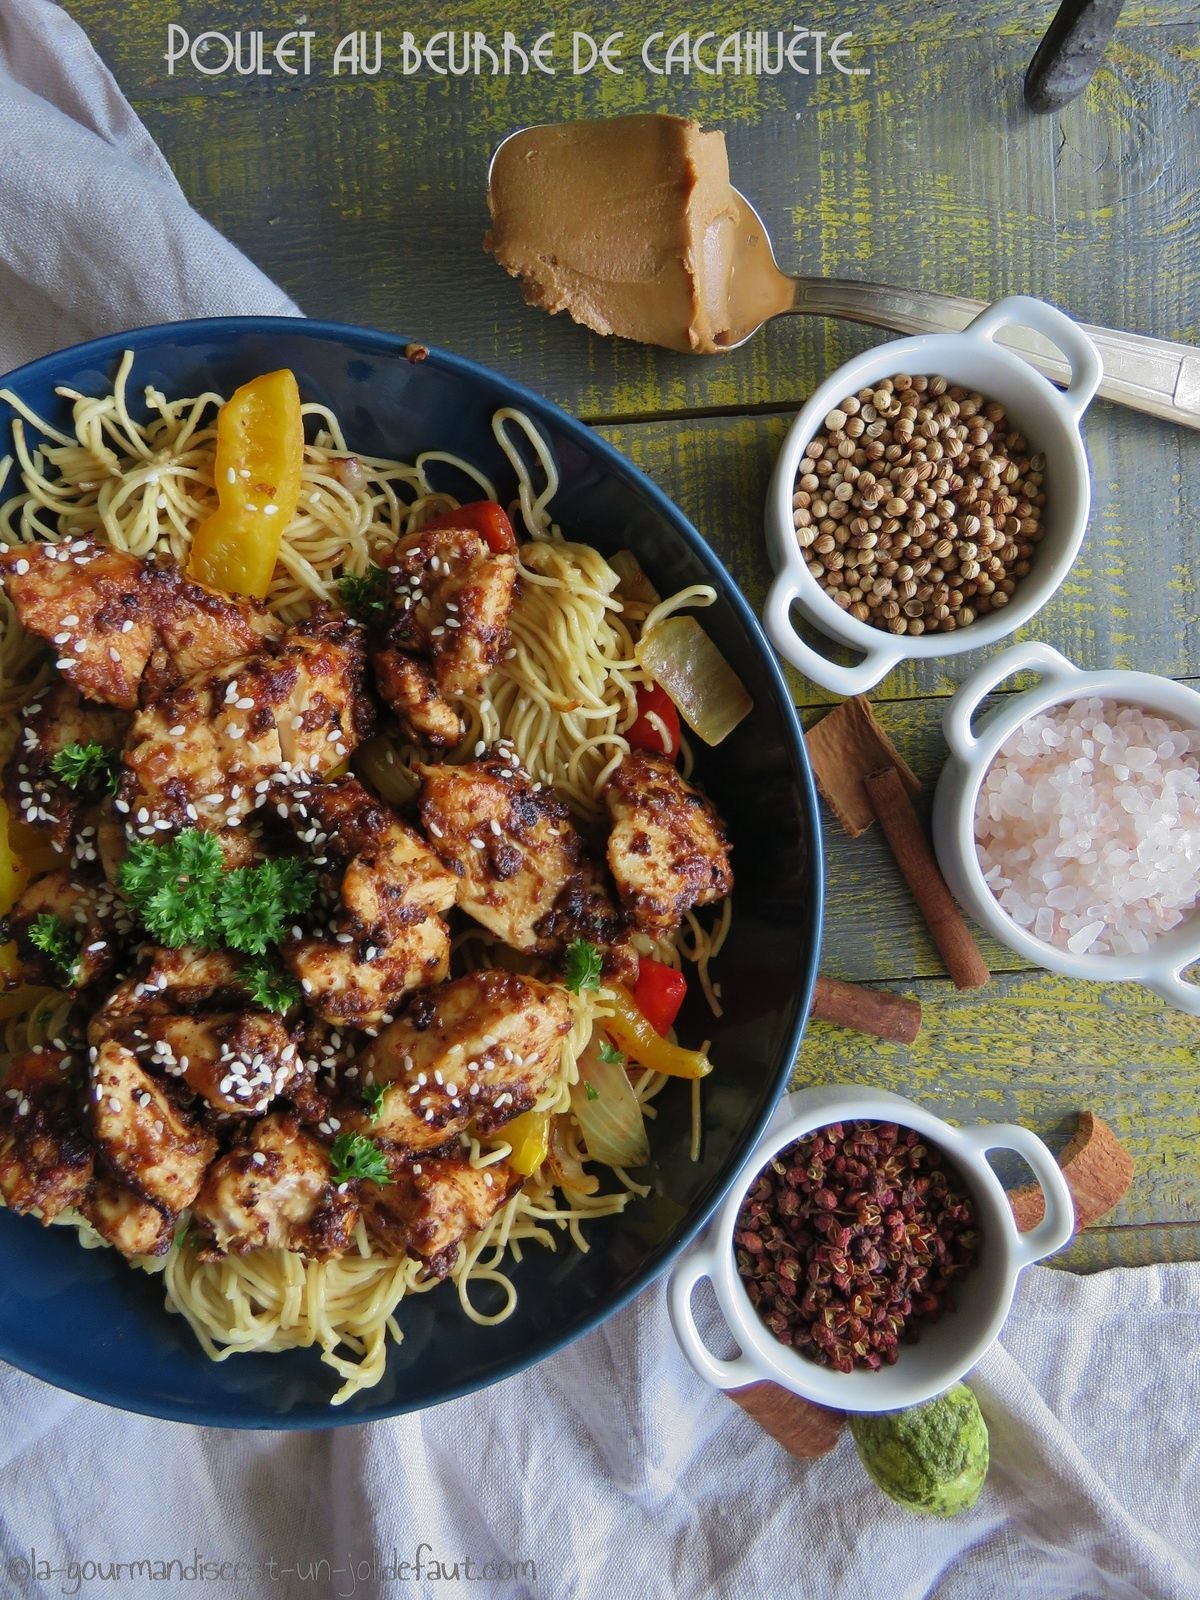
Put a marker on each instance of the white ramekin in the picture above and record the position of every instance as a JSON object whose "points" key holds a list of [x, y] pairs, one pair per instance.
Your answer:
{"points": [[972, 752], [948, 1348], [1049, 419]]}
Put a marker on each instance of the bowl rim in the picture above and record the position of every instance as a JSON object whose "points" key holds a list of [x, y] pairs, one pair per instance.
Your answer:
{"points": [[882, 650], [969, 768], [109, 347]]}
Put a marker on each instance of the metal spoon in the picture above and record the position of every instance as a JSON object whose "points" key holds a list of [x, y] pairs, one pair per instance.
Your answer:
{"points": [[1152, 375]]}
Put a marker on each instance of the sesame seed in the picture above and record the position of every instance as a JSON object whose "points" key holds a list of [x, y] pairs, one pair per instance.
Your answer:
{"points": [[178, 731], [270, 511], [127, 625]]}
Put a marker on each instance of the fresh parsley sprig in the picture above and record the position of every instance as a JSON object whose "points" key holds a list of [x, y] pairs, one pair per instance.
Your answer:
{"points": [[374, 1094], [353, 1155], [183, 894], [86, 766], [269, 986], [365, 595], [51, 935], [583, 966]]}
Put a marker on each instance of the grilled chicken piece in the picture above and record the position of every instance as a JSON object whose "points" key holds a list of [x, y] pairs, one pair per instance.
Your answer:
{"points": [[171, 981], [58, 717], [108, 614], [667, 849], [126, 1221], [45, 1157], [432, 1204], [143, 1135], [236, 1062], [276, 1190], [210, 752], [93, 920], [388, 938], [451, 598], [479, 1050], [523, 870], [407, 684]]}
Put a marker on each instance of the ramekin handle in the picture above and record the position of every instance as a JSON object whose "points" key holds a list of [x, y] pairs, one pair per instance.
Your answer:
{"points": [[1058, 1224], [956, 723], [697, 1264], [1023, 311], [1174, 988], [777, 619]]}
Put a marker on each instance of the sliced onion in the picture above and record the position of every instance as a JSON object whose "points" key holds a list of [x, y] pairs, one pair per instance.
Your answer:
{"points": [[633, 584], [711, 698], [609, 1112], [563, 1164]]}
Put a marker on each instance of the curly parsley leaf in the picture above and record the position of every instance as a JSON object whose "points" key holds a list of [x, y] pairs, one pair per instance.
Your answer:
{"points": [[584, 964], [365, 595], [610, 1054], [353, 1155], [173, 886], [592, 1094], [373, 1097], [255, 904], [269, 986], [183, 894], [86, 766], [50, 935]]}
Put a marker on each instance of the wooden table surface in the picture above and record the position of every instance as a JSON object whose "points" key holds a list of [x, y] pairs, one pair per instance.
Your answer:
{"points": [[364, 197]]}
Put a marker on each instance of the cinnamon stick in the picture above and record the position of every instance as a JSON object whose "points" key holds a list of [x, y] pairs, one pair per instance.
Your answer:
{"points": [[874, 1011], [843, 747], [1098, 1170], [804, 1429], [895, 814]]}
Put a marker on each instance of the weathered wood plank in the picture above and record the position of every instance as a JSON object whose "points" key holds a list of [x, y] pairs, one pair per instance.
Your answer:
{"points": [[1098, 1249], [1037, 1049], [901, 175]]}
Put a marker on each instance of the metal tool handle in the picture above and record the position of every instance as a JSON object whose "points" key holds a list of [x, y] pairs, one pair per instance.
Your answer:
{"points": [[1151, 375]]}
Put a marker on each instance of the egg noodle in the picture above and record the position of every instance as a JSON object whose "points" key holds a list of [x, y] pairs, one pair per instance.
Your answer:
{"points": [[563, 693]]}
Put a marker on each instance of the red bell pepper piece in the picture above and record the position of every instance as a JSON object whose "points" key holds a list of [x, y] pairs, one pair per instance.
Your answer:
{"points": [[658, 993], [646, 735], [489, 521]]}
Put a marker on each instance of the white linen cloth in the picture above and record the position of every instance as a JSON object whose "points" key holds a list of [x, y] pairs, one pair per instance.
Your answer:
{"points": [[611, 1468]]}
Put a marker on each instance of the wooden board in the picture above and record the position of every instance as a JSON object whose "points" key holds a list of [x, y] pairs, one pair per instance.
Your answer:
{"points": [[929, 172]]}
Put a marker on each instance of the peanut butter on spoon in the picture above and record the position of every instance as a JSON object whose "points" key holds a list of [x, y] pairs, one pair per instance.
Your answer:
{"points": [[631, 226]]}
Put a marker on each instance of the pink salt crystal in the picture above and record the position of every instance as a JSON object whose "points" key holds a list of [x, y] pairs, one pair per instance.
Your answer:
{"points": [[1088, 826]]}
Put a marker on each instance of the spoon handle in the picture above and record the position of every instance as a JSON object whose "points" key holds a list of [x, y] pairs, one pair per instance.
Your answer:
{"points": [[1151, 375]]}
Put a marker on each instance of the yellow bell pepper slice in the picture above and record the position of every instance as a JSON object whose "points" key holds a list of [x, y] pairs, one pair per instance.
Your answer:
{"points": [[260, 454], [529, 1135], [23, 1001], [641, 1041]]}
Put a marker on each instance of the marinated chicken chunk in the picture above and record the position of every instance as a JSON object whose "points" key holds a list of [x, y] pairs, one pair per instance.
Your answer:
{"points": [[213, 750], [59, 717], [478, 1051], [237, 1062], [451, 598], [276, 1190], [126, 1221], [108, 614], [523, 870], [432, 1204], [408, 685], [143, 1135], [68, 927], [387, 935], [667, 849], [185, 979], [46, 1158]]}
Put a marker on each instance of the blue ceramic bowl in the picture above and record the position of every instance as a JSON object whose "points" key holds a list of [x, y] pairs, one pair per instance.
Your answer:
{"points": [[82, 1319]]}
